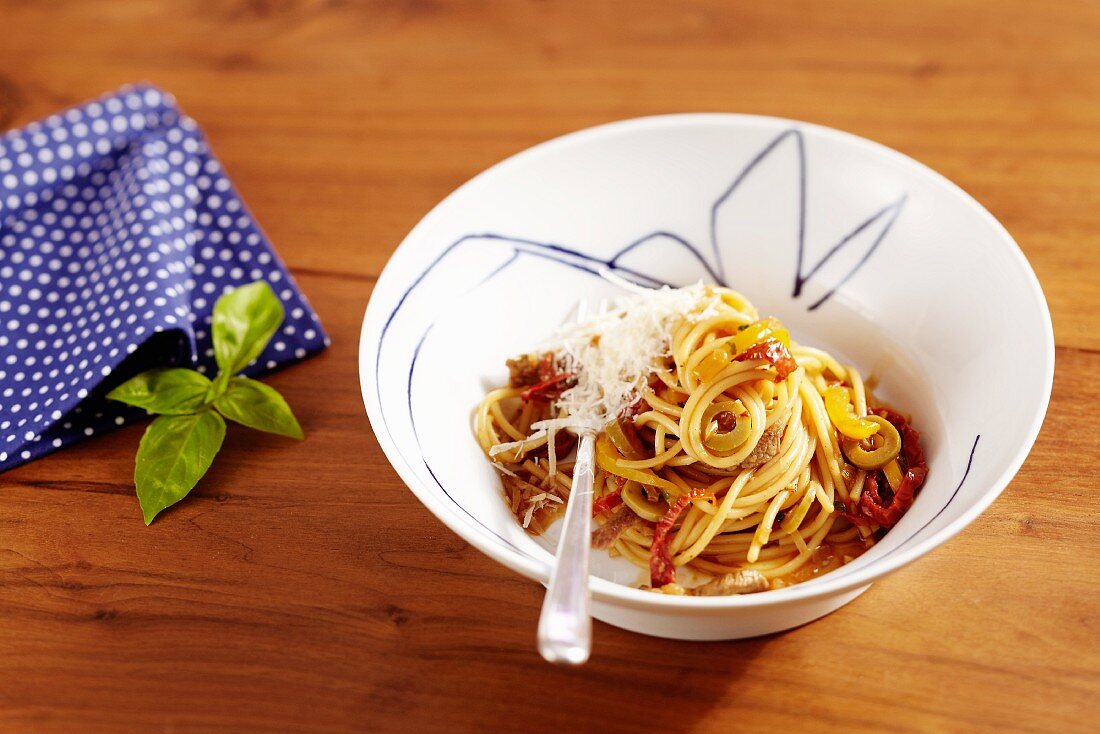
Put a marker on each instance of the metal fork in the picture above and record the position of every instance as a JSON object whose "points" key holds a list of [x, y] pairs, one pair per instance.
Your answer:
{"points": [[565, 625]]}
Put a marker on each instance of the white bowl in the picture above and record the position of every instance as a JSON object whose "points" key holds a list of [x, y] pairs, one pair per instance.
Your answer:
{"points": [[855, 247]]}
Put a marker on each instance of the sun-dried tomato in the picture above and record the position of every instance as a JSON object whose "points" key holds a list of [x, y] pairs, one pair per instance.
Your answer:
{"points": [[608, 502], [775, 352], [661, 570], [550, 388], [873, 508]]}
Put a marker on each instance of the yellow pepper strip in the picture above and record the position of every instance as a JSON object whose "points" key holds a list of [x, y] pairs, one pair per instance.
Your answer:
{"points": [[608, 458], [747, 337], [713, 363], [614, 431], [893, 474], [759, 331], [838, 404]]}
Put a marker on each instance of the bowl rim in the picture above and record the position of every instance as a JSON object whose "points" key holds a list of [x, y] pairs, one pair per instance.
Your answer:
{"points": [[604, 590]]}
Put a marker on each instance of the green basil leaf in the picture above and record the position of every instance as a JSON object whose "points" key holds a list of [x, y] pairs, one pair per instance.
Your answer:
{"points": [[258, 406], [168, 391], [244, 321], [175, 452]]}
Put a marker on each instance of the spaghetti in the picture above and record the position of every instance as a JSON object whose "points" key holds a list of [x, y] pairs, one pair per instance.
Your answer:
{"points": [[723, 445]]}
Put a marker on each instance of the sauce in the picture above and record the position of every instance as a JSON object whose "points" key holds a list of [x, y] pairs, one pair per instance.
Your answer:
{"points": [[827, 557]]}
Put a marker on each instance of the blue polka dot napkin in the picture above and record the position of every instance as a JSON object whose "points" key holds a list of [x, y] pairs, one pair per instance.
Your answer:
{"points": [[118, 231]]}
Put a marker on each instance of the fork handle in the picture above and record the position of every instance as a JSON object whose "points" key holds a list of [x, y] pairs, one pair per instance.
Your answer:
{"points": [[565, 627]]}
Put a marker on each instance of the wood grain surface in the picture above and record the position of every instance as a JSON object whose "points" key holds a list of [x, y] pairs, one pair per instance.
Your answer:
{"points": [[302, 588]]}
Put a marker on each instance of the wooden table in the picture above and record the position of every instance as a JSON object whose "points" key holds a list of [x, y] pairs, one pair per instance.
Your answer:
{"points": [[303, 588]]}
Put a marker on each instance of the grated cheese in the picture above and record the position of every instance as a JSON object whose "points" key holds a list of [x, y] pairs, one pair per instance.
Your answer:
{"points": [[500, 448], [503, 469], [536, 503], [614, 352]]}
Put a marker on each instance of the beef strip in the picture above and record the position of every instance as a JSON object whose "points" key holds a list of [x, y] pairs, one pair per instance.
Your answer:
{"points": [[621, 519], [745, 581], [766, 448], [523, 371]]}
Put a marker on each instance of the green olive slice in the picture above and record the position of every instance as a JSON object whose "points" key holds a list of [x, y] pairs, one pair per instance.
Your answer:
{"points": [[729, 440], [885, 446], [635, 498]]}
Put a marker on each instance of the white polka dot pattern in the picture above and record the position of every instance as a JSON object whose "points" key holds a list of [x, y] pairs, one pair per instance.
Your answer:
{"points": [[118, 231]]}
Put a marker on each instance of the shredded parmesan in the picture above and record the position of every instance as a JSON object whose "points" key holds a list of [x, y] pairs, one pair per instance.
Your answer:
{"points": [[500, 448], [544, 497], [612, 353], [536, 503], [550, 428], [503, 469]]}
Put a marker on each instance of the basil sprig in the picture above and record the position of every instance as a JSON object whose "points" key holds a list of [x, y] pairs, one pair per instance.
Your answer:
{"points": [[180, 444]]}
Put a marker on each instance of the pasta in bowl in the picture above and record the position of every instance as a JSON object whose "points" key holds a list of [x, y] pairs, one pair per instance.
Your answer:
{"points": [[900, 301], [734, 452]]}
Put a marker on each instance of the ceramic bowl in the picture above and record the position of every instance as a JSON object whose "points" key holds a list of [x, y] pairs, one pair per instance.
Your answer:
{"points": [[856, 248]]}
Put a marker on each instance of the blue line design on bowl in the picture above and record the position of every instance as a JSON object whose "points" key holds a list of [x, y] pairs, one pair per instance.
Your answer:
{"points": [[966, 473], [428, 466]]}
